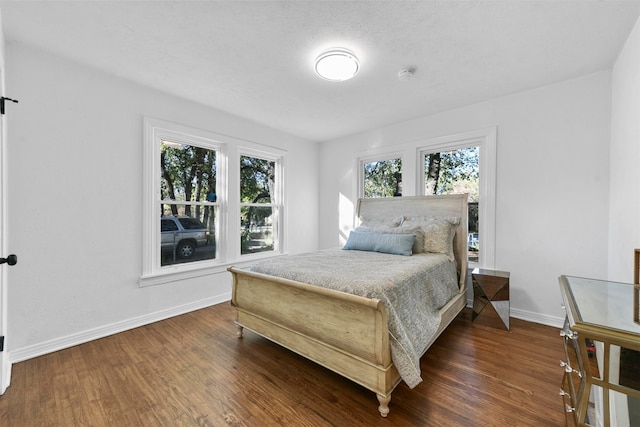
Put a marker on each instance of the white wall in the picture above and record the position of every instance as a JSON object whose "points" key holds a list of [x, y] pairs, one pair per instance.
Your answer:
{"points": [[75, 208], [552, 189], [625, 160]]}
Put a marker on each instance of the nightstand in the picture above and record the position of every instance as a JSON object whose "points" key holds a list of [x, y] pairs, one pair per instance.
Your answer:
{"points": [[491, 298]]}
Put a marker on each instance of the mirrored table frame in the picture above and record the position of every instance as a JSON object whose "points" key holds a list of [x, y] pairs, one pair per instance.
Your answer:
{"points": [[602, 324]]}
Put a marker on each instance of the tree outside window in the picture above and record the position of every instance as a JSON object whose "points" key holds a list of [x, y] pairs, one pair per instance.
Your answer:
{"points": [[457, 172], [258, 205], [383, 178], [188, 207]]}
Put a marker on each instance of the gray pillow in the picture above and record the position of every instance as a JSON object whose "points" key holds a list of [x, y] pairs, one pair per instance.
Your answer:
{"points": [[418, 244], [397, 244]]}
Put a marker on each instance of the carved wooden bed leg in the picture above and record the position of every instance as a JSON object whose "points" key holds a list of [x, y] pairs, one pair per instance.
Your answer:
{"points": [[384, 404], [240, 330]]}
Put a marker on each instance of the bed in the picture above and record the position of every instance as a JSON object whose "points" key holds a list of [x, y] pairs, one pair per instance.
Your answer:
{"points": [[354, 332]]}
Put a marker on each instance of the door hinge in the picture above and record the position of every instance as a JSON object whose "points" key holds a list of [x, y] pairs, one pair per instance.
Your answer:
{"points": [[2, 343], [2, 101]]}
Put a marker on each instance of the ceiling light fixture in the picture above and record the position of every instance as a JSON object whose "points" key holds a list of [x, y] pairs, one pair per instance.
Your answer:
{"points": [[337, 64]]}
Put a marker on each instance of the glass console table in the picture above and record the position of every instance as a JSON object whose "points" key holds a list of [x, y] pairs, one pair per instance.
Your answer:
{"points": [[601, 384]]}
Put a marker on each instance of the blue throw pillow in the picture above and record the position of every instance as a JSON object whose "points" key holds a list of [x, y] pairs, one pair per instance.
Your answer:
{"points": [[397, 244]]}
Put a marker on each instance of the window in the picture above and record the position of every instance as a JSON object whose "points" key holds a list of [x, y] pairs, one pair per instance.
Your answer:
{"points": [[188, 206], [258, 204], [382, 178], [465, 163], [459, 163], [208, 199], [456, 172]]}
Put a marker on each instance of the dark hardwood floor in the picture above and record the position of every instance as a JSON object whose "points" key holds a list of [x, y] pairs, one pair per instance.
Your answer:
{"points": [[191, 370]]}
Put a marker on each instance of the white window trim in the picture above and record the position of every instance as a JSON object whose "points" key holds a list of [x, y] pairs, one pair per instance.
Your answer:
{"points": [[155, 131], [228, 199], [277, 156], [486, 140], [381, 157]]}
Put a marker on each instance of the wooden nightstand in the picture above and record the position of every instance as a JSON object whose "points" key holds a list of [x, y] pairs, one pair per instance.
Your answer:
{"points": [[491, 298]]}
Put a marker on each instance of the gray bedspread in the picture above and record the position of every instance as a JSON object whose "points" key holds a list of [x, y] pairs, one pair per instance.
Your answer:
{"points": [[413, 288]]}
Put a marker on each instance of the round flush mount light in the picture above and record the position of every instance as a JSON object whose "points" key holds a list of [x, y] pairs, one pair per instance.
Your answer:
{"points": [[337, 64]]}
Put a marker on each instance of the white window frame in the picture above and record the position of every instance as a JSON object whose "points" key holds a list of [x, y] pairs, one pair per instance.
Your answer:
{"points": [[156, 131], [228, 155], [486, 140], [382, 157], [278, 207]]}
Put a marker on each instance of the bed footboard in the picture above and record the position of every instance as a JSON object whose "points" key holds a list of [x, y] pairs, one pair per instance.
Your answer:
{"points": [[342, 332]]}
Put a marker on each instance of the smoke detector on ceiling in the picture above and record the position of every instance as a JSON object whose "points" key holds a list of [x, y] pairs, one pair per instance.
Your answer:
{"points": [[406, 74]]}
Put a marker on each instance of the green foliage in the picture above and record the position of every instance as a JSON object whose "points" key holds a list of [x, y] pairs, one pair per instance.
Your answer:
{"points": [[257, 177], [383, 178], [188, 175], [452, 172], [257, 181]]}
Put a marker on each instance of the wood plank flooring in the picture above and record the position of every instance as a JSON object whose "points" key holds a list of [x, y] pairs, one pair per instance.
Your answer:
{"points": [[192, 370]]}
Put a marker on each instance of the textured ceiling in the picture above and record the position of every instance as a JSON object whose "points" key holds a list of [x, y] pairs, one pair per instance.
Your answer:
{"points": [[255, 58]]}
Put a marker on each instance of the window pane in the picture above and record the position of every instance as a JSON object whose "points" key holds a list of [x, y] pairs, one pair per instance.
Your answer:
{"points": [[257, 180], [257, 229], [383, 178], [187, 238], [474, 235], [187, 229], [457, 172], [188, 173], [257, 197]]}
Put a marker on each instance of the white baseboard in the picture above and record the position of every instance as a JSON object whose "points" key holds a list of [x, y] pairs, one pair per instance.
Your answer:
{"points": [[5, 365], [530, 316], [543, 319], [29, 352]]}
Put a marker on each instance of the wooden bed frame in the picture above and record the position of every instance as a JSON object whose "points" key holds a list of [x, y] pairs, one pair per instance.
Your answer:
{"points": [[343, 332]]}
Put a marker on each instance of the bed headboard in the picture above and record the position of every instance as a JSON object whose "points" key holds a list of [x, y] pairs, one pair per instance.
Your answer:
{"points": [[447, 205]]}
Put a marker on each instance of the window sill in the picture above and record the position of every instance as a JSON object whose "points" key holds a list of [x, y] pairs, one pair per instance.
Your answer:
{"points": [[176, 275]]}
